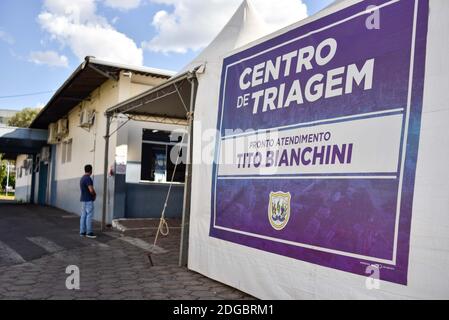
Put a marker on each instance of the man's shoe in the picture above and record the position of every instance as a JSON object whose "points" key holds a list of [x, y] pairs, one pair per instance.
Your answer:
{"points": [[82, 235], [91, 236]]}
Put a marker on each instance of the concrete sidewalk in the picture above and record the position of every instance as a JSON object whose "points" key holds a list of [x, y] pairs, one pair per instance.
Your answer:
{"points": [[38, 243]]}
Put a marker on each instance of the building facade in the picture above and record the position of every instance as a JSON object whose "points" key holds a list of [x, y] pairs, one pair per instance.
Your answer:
{"points": [[5, 115], [138, 163]]}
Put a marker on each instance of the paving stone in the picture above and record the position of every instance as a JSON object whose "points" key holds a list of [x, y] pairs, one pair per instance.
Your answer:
{"points": [[186, 297], [201, 293], [211, 298], [110, 291], [177, 292], [230, 296], [116, 272]]}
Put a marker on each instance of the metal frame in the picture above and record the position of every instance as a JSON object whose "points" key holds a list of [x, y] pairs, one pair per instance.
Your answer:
{"points": [[183, 251], [125, 108], [160, 92]]}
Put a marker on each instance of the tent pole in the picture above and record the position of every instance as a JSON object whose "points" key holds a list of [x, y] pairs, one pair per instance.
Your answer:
{"points": [[183, 251], [105, 171]]}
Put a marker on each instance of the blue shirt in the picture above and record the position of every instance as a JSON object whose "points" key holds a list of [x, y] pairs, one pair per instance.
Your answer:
{"points": [[85, 182]]}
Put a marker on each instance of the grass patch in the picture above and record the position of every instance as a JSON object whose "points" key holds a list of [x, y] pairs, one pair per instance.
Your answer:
{"points": [[10, 196]]}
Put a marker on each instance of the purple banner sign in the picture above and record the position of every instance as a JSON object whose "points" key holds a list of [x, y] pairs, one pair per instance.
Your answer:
{"points": [[319, 131]]}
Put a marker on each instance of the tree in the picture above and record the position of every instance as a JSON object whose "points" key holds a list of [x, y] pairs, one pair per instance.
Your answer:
{"points": [[24, 118], [12, 181], [4, 175], [2, 171]]}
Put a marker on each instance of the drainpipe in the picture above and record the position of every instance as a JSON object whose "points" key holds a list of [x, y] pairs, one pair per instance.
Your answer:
{"points": [[105, 171], [183, 252]]}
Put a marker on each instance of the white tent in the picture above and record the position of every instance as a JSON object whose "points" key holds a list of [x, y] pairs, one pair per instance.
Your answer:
{"points": [[271, 276], [256, 270], [173, 101], [244, 27]]}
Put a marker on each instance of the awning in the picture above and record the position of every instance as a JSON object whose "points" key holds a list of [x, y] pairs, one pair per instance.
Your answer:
{"points": [[171, 102], [166, 103], [15, 141]]}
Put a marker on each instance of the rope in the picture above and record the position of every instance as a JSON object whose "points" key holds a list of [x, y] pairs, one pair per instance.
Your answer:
{"points": [[163, 228]]}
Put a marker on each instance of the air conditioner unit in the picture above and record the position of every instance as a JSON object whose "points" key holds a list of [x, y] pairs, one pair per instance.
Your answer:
{"points": [[52, 133], [86, 118], [62, 128]]}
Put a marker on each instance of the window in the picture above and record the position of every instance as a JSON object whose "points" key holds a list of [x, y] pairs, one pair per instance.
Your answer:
{"points": [[68, 157], [66, 152], [159, 158], [63, 152]]}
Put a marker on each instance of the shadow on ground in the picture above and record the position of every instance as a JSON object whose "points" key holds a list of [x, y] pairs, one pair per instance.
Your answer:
{"points": [[37, 244]]}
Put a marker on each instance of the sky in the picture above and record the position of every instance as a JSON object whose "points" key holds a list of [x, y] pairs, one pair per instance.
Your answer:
{"points": [[43, 41]]}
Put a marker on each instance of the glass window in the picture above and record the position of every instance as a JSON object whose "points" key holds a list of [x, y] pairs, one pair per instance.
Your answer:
{"points": [[63, 152], [66, 152], [68, 157], [157, 164]]}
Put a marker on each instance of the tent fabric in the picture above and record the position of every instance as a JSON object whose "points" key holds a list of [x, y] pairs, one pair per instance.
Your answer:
{"points": [[168, 102], [270, 276], [163, 101], [245, 26]]}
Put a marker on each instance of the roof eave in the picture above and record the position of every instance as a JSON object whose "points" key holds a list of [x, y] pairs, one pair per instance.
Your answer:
{"points": [[58, 92], [122, 106], [91, 61]]}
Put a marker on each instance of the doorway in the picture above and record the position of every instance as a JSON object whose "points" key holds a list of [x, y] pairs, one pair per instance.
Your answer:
{"points": [[42, 189]]}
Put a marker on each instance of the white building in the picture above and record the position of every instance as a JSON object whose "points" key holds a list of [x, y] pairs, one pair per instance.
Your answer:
{"points": [[76, 126], [5, 115]]}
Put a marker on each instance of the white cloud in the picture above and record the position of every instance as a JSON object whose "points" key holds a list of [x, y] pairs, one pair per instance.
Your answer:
{"points": [[5, 36], [122, 4], [50, 58], [192, 24], [77, 25], [281, 13]]}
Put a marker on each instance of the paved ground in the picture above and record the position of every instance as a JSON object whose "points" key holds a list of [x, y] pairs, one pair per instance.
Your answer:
{"points": [[37, 244]]}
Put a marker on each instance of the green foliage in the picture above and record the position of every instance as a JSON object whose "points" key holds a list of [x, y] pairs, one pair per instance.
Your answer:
{"points": [[2, 170], [12, 181], [4, 174], [24, 118]]}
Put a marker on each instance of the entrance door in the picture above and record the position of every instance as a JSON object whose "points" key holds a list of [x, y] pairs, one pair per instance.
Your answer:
{"points": [[42, 192]]}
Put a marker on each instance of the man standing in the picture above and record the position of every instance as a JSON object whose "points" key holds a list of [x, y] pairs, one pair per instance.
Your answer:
{"points": [[88, 196]]}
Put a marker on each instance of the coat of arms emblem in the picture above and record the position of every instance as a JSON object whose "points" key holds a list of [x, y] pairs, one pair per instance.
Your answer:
{"points": [[279, 209]]}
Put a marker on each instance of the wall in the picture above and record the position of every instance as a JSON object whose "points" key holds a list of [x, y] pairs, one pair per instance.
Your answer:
{"points": [[147, 200], [87, 148], [88, 145], [23, 184]]}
